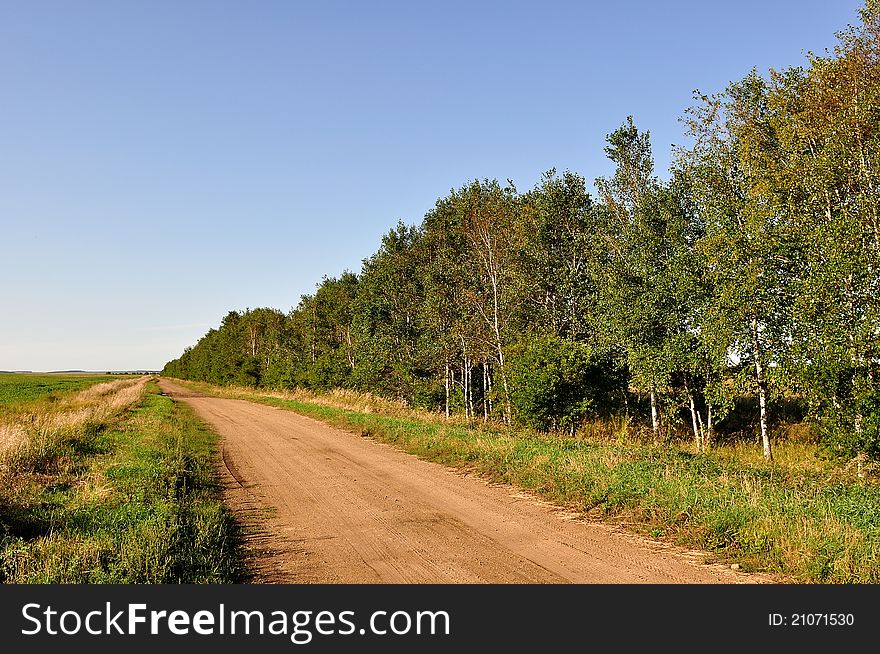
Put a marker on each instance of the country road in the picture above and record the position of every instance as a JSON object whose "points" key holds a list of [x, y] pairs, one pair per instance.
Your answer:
{"points": [[341, 508]]}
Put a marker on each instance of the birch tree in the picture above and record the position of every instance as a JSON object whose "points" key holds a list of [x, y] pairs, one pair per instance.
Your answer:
{"points": [[746, 246], [824, 177], [491, 231], [558, 285], [388, 317], [634, 308]]}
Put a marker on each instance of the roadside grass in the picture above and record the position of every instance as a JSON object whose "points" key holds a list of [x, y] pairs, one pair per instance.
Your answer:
{"points": [[120, 487], [803, 518]]}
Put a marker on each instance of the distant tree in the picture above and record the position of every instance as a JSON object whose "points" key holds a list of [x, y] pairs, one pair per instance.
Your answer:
{"points": [[387, 319], [329, 316]]}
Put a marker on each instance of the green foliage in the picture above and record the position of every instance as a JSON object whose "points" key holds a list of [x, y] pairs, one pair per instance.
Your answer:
{"points": [[557, 383], [387, 322], [559, 252], [845, 410]]}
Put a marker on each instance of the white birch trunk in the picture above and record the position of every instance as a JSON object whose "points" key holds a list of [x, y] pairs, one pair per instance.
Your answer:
{"points": [[762, 390], [470, 384], [489, 386], [655, 415], [697, 436], [485, 391], [703, 439], [464, 388], [349, 352], [447, 390], [707, 437], [497, 326]]}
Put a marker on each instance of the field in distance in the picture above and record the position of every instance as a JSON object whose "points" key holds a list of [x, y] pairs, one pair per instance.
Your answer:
{"points": [[16, 388]]}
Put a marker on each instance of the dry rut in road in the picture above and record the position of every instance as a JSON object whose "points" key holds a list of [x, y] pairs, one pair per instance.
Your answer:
{"points": [[346, 509]]}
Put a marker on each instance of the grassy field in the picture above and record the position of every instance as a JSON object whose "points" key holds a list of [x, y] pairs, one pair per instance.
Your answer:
{"points": [[113, 484], [802, 517], [17, 389]]}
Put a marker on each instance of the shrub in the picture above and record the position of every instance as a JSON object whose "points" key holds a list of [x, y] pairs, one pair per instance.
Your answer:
{"points": [[558, 383]]}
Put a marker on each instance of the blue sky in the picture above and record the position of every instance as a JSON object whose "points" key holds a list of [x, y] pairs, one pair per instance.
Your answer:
{"points": [[164, 162]]}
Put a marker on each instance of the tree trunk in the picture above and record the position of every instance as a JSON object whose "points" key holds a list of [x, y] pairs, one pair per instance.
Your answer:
{"points": [[467, 387], [497, 325], [468, 399], [485, 391], [349, 352], [702, 441], [655, 415], [446, 383], [705, 428], [470, 365], [707, 437], [697, 437], [314, 334], [464, 388], [507, 408], [489, 387], [765, 436], [762, 390]]}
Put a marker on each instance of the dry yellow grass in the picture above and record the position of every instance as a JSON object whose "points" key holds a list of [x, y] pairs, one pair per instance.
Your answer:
{"points": [[11, 435], [339, 398], [41, 422]]}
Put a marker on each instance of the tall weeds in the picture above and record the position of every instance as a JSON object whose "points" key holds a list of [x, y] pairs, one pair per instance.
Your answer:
{"points": [[30, 434], [115, 484]]}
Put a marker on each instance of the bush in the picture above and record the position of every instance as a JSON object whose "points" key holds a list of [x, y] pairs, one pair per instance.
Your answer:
{"points": [[557, 383], [846, 410], [853, 430]]}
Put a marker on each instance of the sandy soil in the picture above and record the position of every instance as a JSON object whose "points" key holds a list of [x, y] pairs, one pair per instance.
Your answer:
{"points": [[330, 506]]}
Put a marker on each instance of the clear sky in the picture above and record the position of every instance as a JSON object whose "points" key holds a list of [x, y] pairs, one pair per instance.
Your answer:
{"points": [[164, 162]]}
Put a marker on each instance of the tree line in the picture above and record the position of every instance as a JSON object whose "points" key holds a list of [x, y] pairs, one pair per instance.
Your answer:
{"points": [[752, 272]]}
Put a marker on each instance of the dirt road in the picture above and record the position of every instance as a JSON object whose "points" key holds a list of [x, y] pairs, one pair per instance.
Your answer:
{"points": [[343, 508]]}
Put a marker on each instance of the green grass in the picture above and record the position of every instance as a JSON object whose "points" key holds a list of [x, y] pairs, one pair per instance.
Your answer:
{"points": [[24, 388], [135, 500], [800, 517]]}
